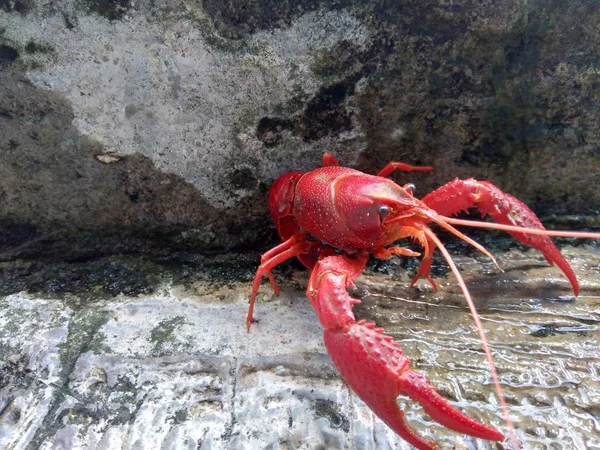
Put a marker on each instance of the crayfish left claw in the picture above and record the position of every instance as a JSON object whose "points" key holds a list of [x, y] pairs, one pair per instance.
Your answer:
{"points": [[416, 386], [504, 209], [378, 371], [374, 365]]}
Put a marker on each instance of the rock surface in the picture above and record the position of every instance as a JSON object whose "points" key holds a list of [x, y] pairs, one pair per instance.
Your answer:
{"points": [[174, 367], [132, 132], [140, 126]]}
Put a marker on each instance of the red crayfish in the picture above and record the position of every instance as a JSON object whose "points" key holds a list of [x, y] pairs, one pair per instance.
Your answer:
{"points": [[333, 218]]}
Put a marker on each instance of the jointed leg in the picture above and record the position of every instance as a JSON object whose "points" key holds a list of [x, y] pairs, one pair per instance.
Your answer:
{"points": [[425, 267], [390, 167], [298, 237], [330, 160], [387, 253], [270, 259]]}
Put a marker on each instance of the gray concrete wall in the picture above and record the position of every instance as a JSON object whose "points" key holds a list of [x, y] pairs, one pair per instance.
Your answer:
{"points": [[137, 126]]}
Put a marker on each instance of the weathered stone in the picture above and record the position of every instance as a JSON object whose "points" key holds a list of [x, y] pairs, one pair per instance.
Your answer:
{"points": [[127, 126]]}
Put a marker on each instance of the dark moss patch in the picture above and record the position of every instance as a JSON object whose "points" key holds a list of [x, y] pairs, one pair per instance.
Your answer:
{"points": [[100, 278], [549, 330], [180, 416], [20, 6], [543, 331], [70, 21], [33, 47], [243, 179], [187, 268], [133, 194], [7, 53], [164, 330], [331, 411], [237, 18], [162, 335], [270, 129], [111, 9], [326, 114], [16, 374], [90, 280], [82, 337]]}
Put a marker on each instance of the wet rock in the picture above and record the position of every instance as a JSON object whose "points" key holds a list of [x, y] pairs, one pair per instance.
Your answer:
{"points": [[177, 368]]}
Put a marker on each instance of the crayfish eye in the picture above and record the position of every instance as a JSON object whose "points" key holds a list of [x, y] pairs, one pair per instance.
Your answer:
{"points": [[383, 210], [410, 188]]}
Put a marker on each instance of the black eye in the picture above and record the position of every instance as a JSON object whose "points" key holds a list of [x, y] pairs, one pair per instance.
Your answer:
{"points": [[411, 187], [383, 210]]}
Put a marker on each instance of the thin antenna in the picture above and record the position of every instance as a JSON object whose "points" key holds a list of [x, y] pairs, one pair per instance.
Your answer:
{"points": [[484, 342]]}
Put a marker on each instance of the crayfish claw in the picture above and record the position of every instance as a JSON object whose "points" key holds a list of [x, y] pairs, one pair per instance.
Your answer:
{"points": [[372, 364], [365, 361], [416, 387], [504, 209], [378, 371]]}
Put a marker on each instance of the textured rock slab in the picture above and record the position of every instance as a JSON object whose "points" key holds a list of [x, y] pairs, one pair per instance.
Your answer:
{"points": [[168, 372], [177, 369]]}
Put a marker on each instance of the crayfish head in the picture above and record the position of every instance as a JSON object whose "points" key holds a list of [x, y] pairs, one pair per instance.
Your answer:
{"points": [[379, 212]]}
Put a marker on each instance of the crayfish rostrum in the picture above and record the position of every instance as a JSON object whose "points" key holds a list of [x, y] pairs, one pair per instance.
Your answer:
{"points": [[333, 218]]}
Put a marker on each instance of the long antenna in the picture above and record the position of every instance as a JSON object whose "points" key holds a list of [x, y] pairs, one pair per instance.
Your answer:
{"points": [[484, 342], [542, 232]]}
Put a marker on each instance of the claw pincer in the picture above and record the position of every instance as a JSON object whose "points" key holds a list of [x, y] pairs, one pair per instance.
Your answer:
{"points": [[460, 195], [371, 362]]}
